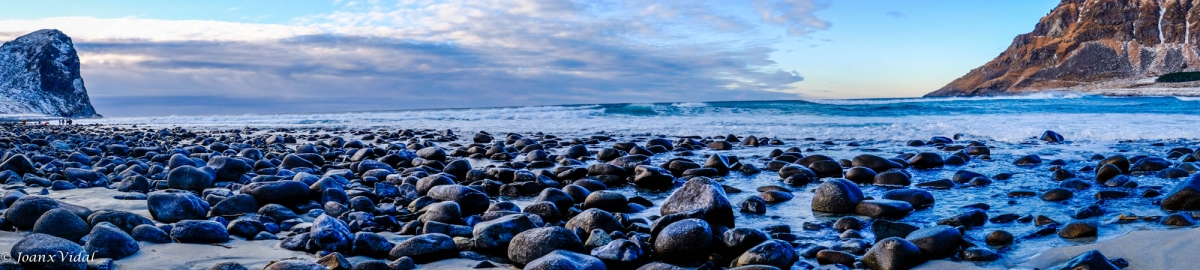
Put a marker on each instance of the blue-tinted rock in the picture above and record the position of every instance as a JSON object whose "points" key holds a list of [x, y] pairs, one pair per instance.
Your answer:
{"points": [[175, 206], [425, 248], [330, 234], [63, 224], [108, 241], [199, 231], [26, 210], [43, 251], [149, 233]]}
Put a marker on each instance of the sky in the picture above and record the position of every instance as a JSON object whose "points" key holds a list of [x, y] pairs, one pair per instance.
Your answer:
{"points": [[149, 58]]}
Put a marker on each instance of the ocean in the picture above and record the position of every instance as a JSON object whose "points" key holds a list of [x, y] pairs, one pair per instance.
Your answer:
{"points": [[1011, 118]]}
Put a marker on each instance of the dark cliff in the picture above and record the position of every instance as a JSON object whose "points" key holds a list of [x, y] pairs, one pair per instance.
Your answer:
{"points": [[1087, 44], [39, 74]]}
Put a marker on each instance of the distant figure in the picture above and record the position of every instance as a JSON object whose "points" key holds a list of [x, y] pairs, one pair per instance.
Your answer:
{"points": [[23, 122], [69, 122]]}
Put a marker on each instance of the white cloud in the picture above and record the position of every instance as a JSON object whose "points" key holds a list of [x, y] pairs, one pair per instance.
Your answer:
{"points": [[455, 53]]}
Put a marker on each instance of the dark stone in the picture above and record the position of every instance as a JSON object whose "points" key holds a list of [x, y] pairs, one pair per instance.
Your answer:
{"points": [[199, 231], [592, 219], [893, 253], [1119, 161], [775, 253], [683, 239], [330, 234], [702, 194], [884, 229], [236, 205], [1057, 194], [496, 234], [61, 223], [1178, 219], [189, 178], [861, 175], [971, 218], [611, 201], [26, 210], [564, 259], [835, 257], [926, 160], [875, 163], [937, 242], [150, 233], [37, 245], [979, 254], [294, 264], [108, 241], [280, 192], [1091, 260], [469, 200], [999, 238], [1185, 195], [892, 178], [883, 208], [836, 196], [738, 240], [371, 245], [245, 228], [1077, 229], [425, 248], [916, 197], [170, 207], [1029, 160], [535, 243], [1051, 137]]}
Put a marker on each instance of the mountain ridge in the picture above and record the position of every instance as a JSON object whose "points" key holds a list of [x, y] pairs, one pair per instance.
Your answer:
{"points": [[1107, 46]]}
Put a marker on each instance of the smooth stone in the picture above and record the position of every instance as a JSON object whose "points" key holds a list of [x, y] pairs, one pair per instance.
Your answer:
{"points": [[171, 207], [893, 253], [937, 241], [836, 196], [535, 243], [683, 239], [47, 246], [425, 248], [777, 253], [199, 231], [108, 241], [702, 194], [565, 259], [1077, 229], [25, 211], [63, 224]]}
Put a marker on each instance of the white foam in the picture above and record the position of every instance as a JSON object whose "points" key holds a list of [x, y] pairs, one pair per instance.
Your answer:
{"points": [[579, 120], [1039, 95]]}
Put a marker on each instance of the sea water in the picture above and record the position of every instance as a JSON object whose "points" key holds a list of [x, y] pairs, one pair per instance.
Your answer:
{"points": [[1011, 119]]}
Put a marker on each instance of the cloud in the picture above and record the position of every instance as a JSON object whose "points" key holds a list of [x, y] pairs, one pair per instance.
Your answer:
{"points": [[380, 56], [796, 15], [896, 14]]}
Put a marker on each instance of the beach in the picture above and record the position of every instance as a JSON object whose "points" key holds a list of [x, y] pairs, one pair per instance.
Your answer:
{"points": [[992, 183]]}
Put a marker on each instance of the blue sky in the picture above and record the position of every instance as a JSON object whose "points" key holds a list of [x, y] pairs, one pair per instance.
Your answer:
{"points": [[235, 57]]}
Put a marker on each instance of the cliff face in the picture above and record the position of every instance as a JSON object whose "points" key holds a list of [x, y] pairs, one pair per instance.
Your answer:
{"points": [[39, 74], [1087, 44]]}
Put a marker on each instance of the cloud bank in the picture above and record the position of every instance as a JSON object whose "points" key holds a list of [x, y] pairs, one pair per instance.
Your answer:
{"points": [[418, 54]]}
